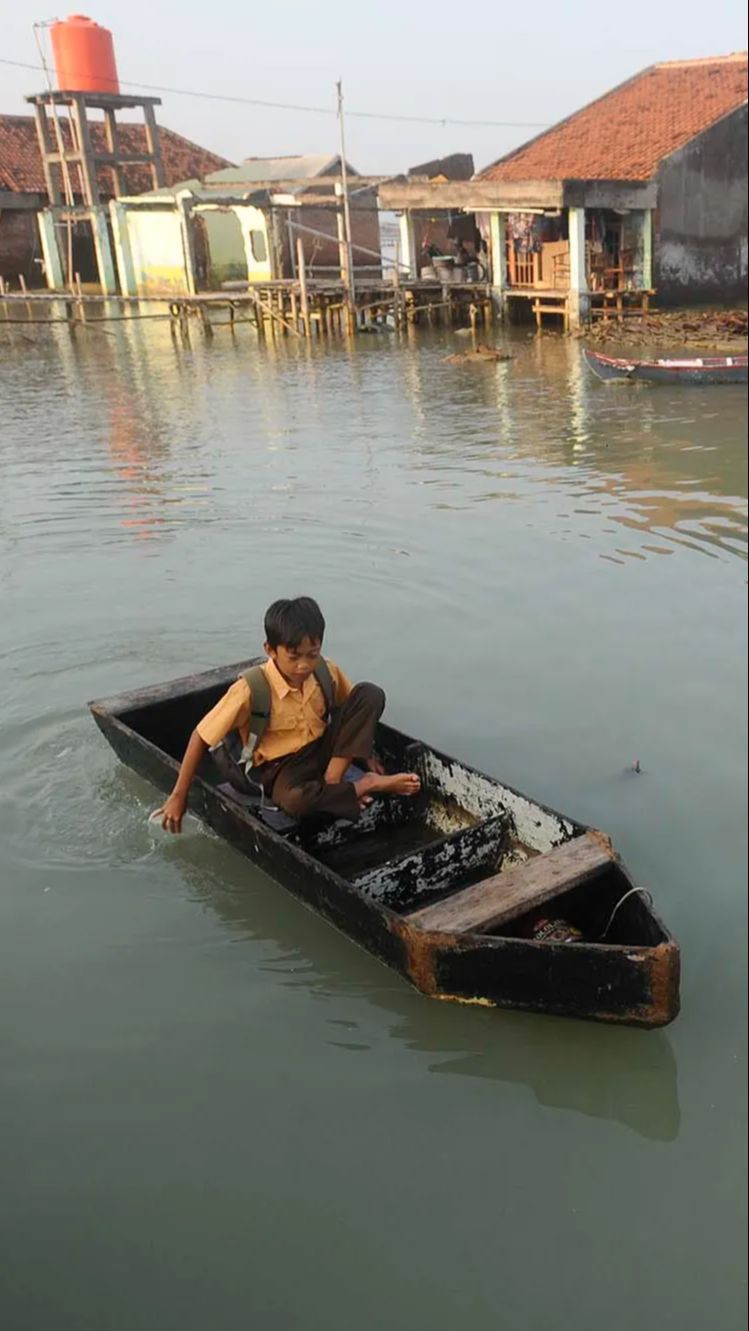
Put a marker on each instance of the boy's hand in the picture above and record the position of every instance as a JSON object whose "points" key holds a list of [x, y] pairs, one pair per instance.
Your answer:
{"points": [[374, 765], [173, 812]]}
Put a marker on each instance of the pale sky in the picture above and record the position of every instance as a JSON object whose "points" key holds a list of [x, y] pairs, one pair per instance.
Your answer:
{"points": [[484, 61]]}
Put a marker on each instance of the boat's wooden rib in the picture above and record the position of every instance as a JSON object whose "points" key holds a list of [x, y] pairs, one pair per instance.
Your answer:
{"points": [[428, 872], [504, 896]]}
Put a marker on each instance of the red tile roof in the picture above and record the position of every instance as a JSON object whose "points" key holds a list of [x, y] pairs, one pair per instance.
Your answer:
{"points": [[21, 163], [625, 134]]}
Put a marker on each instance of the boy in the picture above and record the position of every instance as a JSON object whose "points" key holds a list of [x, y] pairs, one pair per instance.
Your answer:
{"points": [[302, 755]]}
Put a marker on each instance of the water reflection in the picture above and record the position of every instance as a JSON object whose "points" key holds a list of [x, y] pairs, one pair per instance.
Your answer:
{"points": [[657, 463], [625, 1076], [225, 430]]}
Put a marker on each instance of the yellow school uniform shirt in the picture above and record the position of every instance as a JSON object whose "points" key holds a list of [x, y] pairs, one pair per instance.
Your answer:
{"points": [[297, 716]]}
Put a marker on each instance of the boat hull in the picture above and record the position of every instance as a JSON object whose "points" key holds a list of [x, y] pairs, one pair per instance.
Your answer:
{"points": [[633, 983], [705, 370]]}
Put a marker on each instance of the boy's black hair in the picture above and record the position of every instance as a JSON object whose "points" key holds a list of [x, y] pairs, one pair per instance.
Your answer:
{"points": [[287, 622]]}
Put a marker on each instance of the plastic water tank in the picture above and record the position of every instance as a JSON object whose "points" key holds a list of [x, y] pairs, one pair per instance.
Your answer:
{"points": [[84, 56]]}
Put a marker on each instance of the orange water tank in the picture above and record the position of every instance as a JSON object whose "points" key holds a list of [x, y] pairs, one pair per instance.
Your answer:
{"points": [[84, 56]]}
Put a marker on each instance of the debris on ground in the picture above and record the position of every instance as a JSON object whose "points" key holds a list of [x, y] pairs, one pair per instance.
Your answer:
{"points": [[480, 353], [718, 329]]}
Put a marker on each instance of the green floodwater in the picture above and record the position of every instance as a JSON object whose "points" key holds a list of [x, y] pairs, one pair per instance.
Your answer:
{"points": [[216, 1112]]}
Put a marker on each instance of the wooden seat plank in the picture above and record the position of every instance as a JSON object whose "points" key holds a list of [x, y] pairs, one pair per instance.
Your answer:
{"points": [[496, 900]]}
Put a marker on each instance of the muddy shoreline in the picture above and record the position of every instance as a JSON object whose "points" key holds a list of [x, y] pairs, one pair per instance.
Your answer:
{"points": [[716, 330]]}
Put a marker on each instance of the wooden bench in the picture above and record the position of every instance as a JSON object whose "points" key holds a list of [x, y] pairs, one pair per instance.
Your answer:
{"points": [[496, 900]]}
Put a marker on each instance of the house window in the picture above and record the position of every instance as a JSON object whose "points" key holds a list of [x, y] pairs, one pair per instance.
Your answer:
{"points": [[258, 246]]}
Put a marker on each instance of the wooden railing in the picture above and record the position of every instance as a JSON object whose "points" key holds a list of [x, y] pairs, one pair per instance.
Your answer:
{"points": [[545, 270], [549, 268], [523, 270]]}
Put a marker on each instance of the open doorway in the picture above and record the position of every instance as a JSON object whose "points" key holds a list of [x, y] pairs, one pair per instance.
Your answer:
{"points": [[218, 247]]}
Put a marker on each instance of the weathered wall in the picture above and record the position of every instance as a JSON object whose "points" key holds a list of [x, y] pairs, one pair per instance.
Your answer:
{"points": [[701, 222], [633, 243], [365, 230], [237, 245], [19, 247], [257, 243], [158, 259], [322, 254]]}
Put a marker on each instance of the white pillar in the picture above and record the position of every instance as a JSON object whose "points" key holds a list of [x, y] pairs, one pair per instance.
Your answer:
{"points": [[122, 252], [53, 270], [578, 270], [498, 255], [647, 249], [342, 245], [408, 246], [498, 252], [184, 206], [103, 251]]}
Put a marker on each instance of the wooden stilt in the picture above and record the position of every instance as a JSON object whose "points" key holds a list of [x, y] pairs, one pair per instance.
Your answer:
{"points": [[328, 317], [302, 273], [79, 293]]}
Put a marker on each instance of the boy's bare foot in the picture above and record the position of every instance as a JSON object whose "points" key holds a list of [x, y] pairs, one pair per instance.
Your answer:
{"points": [[402, 783]]}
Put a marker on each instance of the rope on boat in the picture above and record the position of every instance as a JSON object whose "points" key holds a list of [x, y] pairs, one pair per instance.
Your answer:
{"points": [[642, 890]]}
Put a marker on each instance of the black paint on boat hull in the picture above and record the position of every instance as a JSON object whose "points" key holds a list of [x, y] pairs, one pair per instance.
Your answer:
{"points": [[477, 825]]}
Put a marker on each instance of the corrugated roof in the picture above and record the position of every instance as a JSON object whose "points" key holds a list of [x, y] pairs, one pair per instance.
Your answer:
{"points": [[21, 162], [254, 169], [625, 134]]}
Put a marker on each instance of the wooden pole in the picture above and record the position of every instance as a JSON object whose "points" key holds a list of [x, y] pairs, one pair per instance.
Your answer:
{"points": [[79, 291], [397, 308], [154, 147], [111, 134], [302, 271], [86, 164], [44, 144], [343, 256], [351, 284], [47, 149], [266, 307], [25, 290]]}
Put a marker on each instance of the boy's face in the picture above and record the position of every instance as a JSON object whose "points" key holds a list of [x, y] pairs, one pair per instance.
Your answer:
{"points": [[296, 663]]}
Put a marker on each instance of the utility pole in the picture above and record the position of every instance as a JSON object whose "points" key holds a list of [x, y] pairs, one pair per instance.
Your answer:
{"points": [[350, 283]]}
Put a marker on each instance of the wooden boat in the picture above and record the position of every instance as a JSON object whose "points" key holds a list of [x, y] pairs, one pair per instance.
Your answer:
{"points": [[702, 370], [448, 888]]}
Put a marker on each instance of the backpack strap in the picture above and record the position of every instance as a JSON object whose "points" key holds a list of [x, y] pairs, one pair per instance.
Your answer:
{"points": [[260, 695], [259, 700], [325, 680]]}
